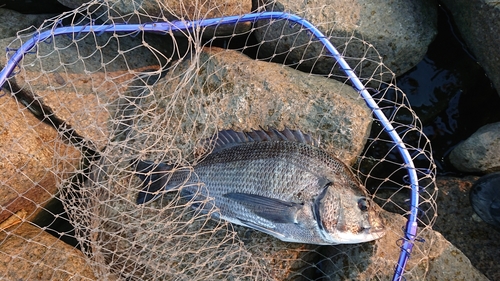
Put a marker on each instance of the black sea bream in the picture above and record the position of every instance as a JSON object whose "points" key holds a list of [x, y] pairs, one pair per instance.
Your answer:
{"points": [[277, 182]]}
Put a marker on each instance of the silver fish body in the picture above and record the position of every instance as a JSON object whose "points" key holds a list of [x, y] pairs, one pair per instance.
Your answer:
{"points": [[279, 183]]}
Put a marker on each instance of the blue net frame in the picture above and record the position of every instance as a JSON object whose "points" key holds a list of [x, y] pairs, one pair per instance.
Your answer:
{"points": [[410, 231]]}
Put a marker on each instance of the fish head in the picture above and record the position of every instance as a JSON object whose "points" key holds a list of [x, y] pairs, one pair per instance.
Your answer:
{"points": [[347, 215]]}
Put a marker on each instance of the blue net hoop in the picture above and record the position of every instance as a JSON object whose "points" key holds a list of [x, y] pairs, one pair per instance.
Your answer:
{"points": [[410, 231]]}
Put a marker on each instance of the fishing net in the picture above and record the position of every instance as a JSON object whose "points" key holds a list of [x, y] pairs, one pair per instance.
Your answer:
{"points": [[82, 106]]}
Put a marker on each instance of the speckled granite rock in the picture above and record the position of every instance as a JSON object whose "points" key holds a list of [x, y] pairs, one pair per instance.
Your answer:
{"points": [[79, 79], [146, 11], [27, 149], [396, 33], [29, 253], [233, 91]]}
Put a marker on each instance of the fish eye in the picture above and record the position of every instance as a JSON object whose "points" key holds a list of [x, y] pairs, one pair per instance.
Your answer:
{"points": [[363, 204]]}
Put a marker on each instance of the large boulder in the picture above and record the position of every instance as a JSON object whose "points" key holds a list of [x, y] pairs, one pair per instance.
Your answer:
{"points": [[12, 22], [480, 152], [216, 89], [220, 89], [71, 79], [146, 11], [29, 253], [28, 147], [479, 24], [366, 33], [79, 78]]}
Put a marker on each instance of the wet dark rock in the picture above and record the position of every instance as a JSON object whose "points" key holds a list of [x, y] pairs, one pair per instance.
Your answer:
{"points": [[485, 198], [479, 24]]}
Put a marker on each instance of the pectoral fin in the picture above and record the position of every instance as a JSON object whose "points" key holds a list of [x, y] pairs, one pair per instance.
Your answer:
{"points": [[274, 210]]}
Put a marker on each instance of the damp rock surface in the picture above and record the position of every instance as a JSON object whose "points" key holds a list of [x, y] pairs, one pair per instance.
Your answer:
{"points": [[478, 22]]}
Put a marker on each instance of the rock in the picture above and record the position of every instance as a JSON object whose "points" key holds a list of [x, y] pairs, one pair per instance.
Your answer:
{"points": [[368, 33], [80, 79], [141, 11], [218, 89], [485, 198], [29, 253], [479, 24], [12, 22], [73, 4], [480, 152], [231, 91], [28, 148], [461, 226], [433, 259]]}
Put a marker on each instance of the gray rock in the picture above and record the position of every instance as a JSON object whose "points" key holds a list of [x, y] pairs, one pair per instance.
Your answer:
{"points": [[77, 78], [460, 225], [480, 152], [218, 89], [228, 90], [73, 4], [12, 22], [479, 24], [140, 11], [29, 253], [368, 33]]}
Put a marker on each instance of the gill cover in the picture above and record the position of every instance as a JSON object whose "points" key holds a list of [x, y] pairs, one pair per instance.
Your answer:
{"points": [[327, 211]]}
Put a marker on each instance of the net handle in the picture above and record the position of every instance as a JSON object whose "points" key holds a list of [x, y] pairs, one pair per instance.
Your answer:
{"points": [[167, 27]]}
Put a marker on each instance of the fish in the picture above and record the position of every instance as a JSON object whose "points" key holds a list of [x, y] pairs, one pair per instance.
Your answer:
{"points": [[277, 182], [485, 198]]}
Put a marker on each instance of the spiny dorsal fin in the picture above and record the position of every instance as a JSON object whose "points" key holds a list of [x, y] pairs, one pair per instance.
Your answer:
{"points": [[229, 138]]}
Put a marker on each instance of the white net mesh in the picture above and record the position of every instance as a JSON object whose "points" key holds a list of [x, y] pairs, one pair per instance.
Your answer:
{"points": [[84, 106]]}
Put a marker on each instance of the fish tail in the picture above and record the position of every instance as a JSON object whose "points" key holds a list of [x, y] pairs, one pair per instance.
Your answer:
{"points": [[154, 179]]}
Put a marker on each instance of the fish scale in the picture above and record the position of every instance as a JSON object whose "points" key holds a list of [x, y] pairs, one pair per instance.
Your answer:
{"points": [[277, 182]]}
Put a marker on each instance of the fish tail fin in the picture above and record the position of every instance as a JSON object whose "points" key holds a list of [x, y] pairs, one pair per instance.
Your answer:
{"points": [[154, 178]]}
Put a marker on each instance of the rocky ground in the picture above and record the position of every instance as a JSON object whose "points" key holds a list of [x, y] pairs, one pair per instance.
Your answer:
{"points": [[41, 134], [459, 224]]}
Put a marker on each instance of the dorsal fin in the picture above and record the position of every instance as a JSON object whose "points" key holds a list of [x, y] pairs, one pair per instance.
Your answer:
{"points": [[229, 138]]}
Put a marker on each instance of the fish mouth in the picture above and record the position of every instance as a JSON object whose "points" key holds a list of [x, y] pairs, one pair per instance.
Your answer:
{"points": [[365, 235], [360, 234]]}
